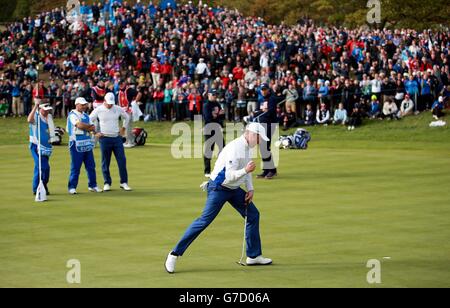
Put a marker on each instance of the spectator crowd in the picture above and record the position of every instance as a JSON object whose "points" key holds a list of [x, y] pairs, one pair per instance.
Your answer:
{"points": [[168, 59]]}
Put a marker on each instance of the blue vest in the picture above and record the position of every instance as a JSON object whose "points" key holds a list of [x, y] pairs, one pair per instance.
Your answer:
{"points": [[82, 139], [46, 147]]}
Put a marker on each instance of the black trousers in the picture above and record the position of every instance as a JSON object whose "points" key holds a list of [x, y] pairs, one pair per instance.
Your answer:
{"points": [[355, 122], [266, 151], [209, 150], [425, 102], [438, 112]]}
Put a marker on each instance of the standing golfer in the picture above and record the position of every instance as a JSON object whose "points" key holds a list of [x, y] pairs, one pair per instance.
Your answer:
{"points": [[110, 136], [81, 146], [233, 169], [41, 113]]}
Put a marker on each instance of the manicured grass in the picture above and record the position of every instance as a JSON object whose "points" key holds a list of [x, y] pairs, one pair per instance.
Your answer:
{"points": [[380, 191]]}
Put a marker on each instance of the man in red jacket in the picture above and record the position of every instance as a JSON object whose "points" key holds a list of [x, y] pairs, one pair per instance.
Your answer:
{"points": [[238, 72], [39, 92], [195, 101], [166, 72], [155, 70], [98, 94]]}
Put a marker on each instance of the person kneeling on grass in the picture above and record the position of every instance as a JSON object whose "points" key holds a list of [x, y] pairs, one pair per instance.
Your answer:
{"points": [[355, 118], [81, 146], [406, 108], [340, 115], [374, 108], [437, 108], [233, 169], [308, 116], [323, 115], [390, 110]]}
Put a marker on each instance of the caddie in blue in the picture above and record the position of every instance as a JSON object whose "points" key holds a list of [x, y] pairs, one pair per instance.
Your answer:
{"points": [[81, 146], [233, 169], [41, 113]]}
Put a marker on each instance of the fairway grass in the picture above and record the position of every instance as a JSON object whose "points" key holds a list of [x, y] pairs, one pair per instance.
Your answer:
{"points": [[381, 191]]}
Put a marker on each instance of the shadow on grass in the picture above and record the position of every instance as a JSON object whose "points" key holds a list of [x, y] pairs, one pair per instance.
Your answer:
{"points": [[234, 269]]}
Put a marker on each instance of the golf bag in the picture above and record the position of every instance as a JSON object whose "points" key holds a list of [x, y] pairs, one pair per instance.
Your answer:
{"points": [[285, 142], [140, 136], [301, 139], [297, 141], [59, 133]]}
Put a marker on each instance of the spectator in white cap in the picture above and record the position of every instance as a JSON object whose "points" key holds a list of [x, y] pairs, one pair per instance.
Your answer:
{"points": [[110, 135], [81, 146]]}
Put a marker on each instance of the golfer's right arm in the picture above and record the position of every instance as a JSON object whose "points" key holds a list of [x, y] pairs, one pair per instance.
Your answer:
{"points": [[32, 114], [94, 115], [233, 173], [94, 119]]}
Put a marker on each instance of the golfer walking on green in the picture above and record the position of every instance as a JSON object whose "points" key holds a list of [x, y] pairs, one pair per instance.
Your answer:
{"points": [[233, 169]]}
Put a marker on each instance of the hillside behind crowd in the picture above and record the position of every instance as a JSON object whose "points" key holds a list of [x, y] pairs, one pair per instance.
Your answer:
{"points": [[169, 59]]}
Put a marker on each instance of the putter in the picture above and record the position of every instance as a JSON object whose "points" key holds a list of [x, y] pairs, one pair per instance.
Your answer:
{"points": [[244, 241]]}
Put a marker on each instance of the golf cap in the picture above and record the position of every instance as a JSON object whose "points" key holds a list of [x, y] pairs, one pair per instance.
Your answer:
{"points": [[213, 92], [441, 99], [258, 129], [264, 86], [110, 99], [46, 107], [81, 101]]}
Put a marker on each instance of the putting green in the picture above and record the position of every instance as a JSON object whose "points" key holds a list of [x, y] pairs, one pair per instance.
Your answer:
{"points": [[381, 191]]}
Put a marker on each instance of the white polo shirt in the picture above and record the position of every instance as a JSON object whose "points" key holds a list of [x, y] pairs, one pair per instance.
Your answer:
{"points": [[229, 170], [109, 119]]}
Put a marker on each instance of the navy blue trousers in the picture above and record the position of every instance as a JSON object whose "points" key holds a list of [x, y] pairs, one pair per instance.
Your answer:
{"points": [[78, 158], [217, 197], [109, 146], [45, 166]]}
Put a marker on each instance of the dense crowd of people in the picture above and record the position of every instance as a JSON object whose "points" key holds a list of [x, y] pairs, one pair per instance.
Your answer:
{"points": [[168, 60]]}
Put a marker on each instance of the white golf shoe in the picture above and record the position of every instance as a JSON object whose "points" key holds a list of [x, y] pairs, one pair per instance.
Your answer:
{"points": [[129, 145], [107, 187], [171, 263], [258, 261], [95, 189], [125, 187], [72, 191]]}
